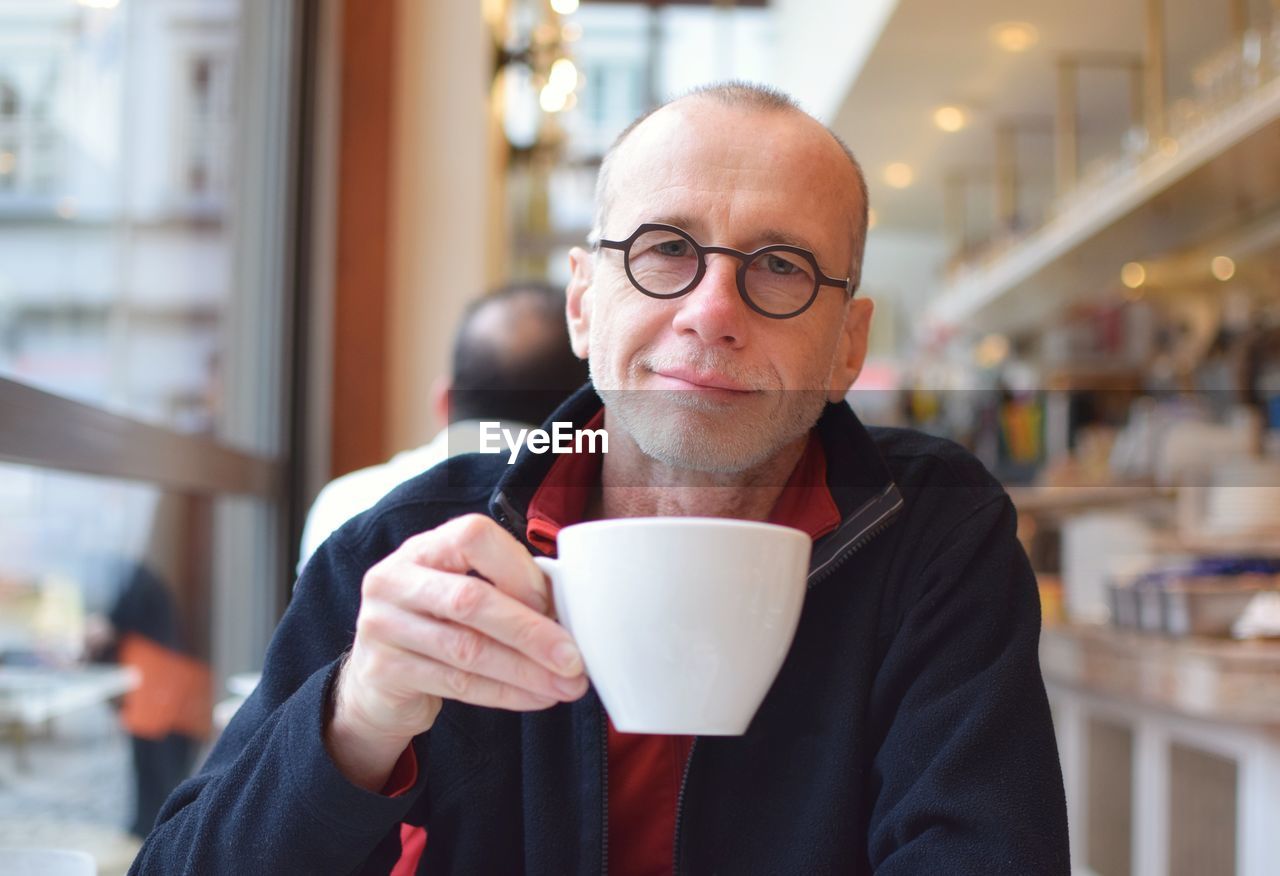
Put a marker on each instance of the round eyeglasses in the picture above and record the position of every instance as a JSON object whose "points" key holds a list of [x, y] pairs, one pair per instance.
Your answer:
{"points": [[778, 281]]}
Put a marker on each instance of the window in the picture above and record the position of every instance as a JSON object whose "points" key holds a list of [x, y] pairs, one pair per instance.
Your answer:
{"points": [[144, 390], [205, 116], [116, 276], [30, 148]]}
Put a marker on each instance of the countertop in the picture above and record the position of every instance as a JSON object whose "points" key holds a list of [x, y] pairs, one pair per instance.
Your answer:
{"points": [[1215, 679]]}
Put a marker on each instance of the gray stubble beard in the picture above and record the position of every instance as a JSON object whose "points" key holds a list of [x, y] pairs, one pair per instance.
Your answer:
{"points": [[686, 431]]}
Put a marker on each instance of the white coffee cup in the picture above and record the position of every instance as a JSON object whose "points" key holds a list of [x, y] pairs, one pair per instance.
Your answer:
{"points": [[683, 622]]}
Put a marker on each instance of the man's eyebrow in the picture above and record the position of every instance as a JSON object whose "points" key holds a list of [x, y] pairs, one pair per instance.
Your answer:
{"points": [[679, 220], [771, 236], [765, 237]]}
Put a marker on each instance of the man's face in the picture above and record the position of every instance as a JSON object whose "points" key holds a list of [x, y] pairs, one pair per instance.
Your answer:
{"points": [[702, 381]]}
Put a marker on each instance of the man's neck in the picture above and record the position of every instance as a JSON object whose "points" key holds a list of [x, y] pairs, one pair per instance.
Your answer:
{"points": [[633, 484]]}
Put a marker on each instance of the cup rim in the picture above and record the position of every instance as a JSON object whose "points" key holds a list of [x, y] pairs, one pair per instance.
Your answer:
{"points": [[694, 522]]}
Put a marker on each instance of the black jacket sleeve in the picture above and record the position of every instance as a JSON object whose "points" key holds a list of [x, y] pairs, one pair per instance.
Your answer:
{"points": [[966, 778], [269, 799]]}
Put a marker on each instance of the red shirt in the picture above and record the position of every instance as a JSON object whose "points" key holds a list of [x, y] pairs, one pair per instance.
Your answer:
{"points": [[644, 771]]}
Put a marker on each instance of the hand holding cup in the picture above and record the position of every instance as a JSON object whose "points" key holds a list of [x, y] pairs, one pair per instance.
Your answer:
{"points": [[429, 630]]}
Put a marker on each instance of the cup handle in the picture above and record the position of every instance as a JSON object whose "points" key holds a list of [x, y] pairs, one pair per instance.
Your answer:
{"points": [[554, 572]]}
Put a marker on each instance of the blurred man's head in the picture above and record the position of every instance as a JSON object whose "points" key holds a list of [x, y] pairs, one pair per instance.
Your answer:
{"points": [[702, 379], [511, 357]]}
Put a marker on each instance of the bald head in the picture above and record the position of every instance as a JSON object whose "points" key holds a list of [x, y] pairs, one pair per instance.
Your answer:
{"points": [[647, 138]]}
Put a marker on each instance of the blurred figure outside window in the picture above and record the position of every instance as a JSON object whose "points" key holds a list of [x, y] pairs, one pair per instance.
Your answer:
{"points": [[168, 714]]}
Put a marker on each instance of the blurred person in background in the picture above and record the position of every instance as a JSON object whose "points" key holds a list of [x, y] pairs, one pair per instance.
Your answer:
{"points": [[168, 714], [422, 712], [511, 363]]}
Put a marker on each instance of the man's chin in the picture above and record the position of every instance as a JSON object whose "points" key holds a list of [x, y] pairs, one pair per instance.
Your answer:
{"points": [[713, 433], [703, 436], [713, 403], [717, 458]]}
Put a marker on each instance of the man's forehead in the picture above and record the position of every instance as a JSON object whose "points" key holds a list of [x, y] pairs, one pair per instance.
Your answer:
{"points": [[705, 130], [700, 152]]}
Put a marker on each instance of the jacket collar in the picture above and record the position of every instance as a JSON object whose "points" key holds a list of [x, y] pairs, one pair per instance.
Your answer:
{"points": [[859, 481]]}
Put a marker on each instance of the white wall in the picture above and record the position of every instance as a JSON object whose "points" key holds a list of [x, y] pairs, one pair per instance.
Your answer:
{"points": [[901, 271], [441, 173], [822, 45]]}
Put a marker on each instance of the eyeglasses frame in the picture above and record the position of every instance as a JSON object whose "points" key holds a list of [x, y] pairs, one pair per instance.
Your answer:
{"points": [[744, 258]]}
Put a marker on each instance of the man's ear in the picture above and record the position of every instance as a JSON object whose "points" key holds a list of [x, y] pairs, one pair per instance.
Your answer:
{"points": [[851, 352], [578, 301]]}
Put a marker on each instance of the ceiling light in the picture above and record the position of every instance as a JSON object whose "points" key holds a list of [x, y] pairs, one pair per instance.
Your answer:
{"points": [[552, 99], [950, 118], [1133, 275], [565, 7], [1015, 36], [899, 175], [563, 75], [99, 4], [1223, 268]]}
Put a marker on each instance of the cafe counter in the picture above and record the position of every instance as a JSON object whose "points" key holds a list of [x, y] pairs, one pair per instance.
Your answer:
{"points": [[1170, 750]]}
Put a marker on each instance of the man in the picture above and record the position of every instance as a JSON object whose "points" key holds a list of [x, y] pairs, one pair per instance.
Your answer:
{"points": [[511, 363], [454, 731]]}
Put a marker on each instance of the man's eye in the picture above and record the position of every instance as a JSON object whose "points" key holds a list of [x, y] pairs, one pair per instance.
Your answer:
{"points": [[673, 248], [779, 265]]}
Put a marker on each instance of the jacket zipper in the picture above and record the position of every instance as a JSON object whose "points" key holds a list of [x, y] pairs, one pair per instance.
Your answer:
{"points": [[684, 781], [877, 528], [850, 551], [604, 791]]}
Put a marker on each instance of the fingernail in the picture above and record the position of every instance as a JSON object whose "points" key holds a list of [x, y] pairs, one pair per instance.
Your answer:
{"points": [[566, 658], [570, 687]]}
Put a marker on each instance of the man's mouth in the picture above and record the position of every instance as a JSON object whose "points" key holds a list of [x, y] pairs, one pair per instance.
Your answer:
{"points": [[699, 381]]}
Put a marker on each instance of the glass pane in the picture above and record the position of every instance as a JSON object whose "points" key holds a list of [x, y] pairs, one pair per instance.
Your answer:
{"points": [[117, 125], [125, 613], [104, 670]]}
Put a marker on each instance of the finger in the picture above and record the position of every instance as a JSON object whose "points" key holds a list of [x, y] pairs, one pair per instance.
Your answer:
{"points": [[449, 682], [474, 604], [475, 542], [456, 646]]}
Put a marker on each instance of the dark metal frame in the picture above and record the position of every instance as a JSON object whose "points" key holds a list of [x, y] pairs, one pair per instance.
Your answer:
{"points": [[297, 442]]}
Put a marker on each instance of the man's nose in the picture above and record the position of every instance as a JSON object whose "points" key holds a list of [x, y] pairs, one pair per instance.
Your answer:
{"points": [[713, 310]]}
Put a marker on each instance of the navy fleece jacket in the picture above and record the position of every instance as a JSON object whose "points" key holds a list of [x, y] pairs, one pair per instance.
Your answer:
{"points": [[907, 733]]}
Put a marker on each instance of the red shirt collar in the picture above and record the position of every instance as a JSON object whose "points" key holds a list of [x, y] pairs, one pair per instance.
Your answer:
{"points": [[561, 500]]}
